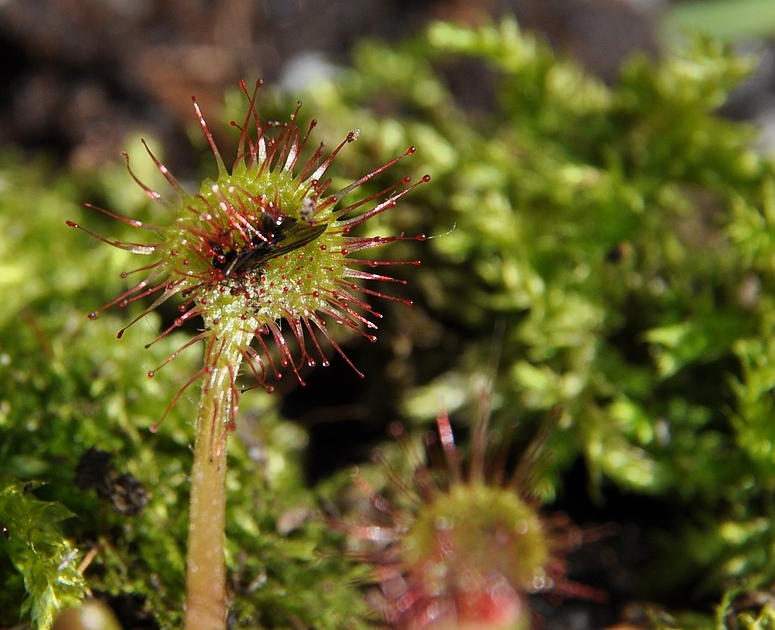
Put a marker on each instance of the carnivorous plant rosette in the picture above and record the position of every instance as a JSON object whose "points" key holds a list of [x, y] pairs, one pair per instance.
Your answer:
{"points": [[464, 547], [262, 244], [264, 249]]}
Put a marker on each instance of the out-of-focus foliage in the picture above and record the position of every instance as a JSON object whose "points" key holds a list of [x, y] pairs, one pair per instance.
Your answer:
{"points": [[732, 20], [618, 233], [621, 237], [91, 613]]}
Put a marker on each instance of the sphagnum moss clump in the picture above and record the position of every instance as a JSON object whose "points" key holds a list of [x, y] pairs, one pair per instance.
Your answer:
{"points": [[263, 244]]}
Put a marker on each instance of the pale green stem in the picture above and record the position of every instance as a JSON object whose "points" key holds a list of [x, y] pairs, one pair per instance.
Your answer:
{"points": [[205, 607]]}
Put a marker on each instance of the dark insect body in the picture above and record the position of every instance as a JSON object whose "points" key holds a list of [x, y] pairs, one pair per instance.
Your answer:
{"points": [[273, 238]]}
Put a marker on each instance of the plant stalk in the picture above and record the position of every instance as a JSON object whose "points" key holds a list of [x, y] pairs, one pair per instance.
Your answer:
{"points": [[205, 607]]}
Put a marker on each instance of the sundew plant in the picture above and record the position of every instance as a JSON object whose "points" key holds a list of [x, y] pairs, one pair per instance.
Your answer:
{"points": [[262, 244], [621, 238]]}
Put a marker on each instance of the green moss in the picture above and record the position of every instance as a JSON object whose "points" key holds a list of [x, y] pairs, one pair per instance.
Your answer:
{"points": [[620, 235], [33, 542]]}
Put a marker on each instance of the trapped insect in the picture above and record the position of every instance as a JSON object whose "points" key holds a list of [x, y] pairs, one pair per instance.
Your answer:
{"points": [[273, 238]]}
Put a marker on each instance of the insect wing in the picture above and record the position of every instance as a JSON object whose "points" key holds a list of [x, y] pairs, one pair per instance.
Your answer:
{"points": [[289, 235], [294, 236]]}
